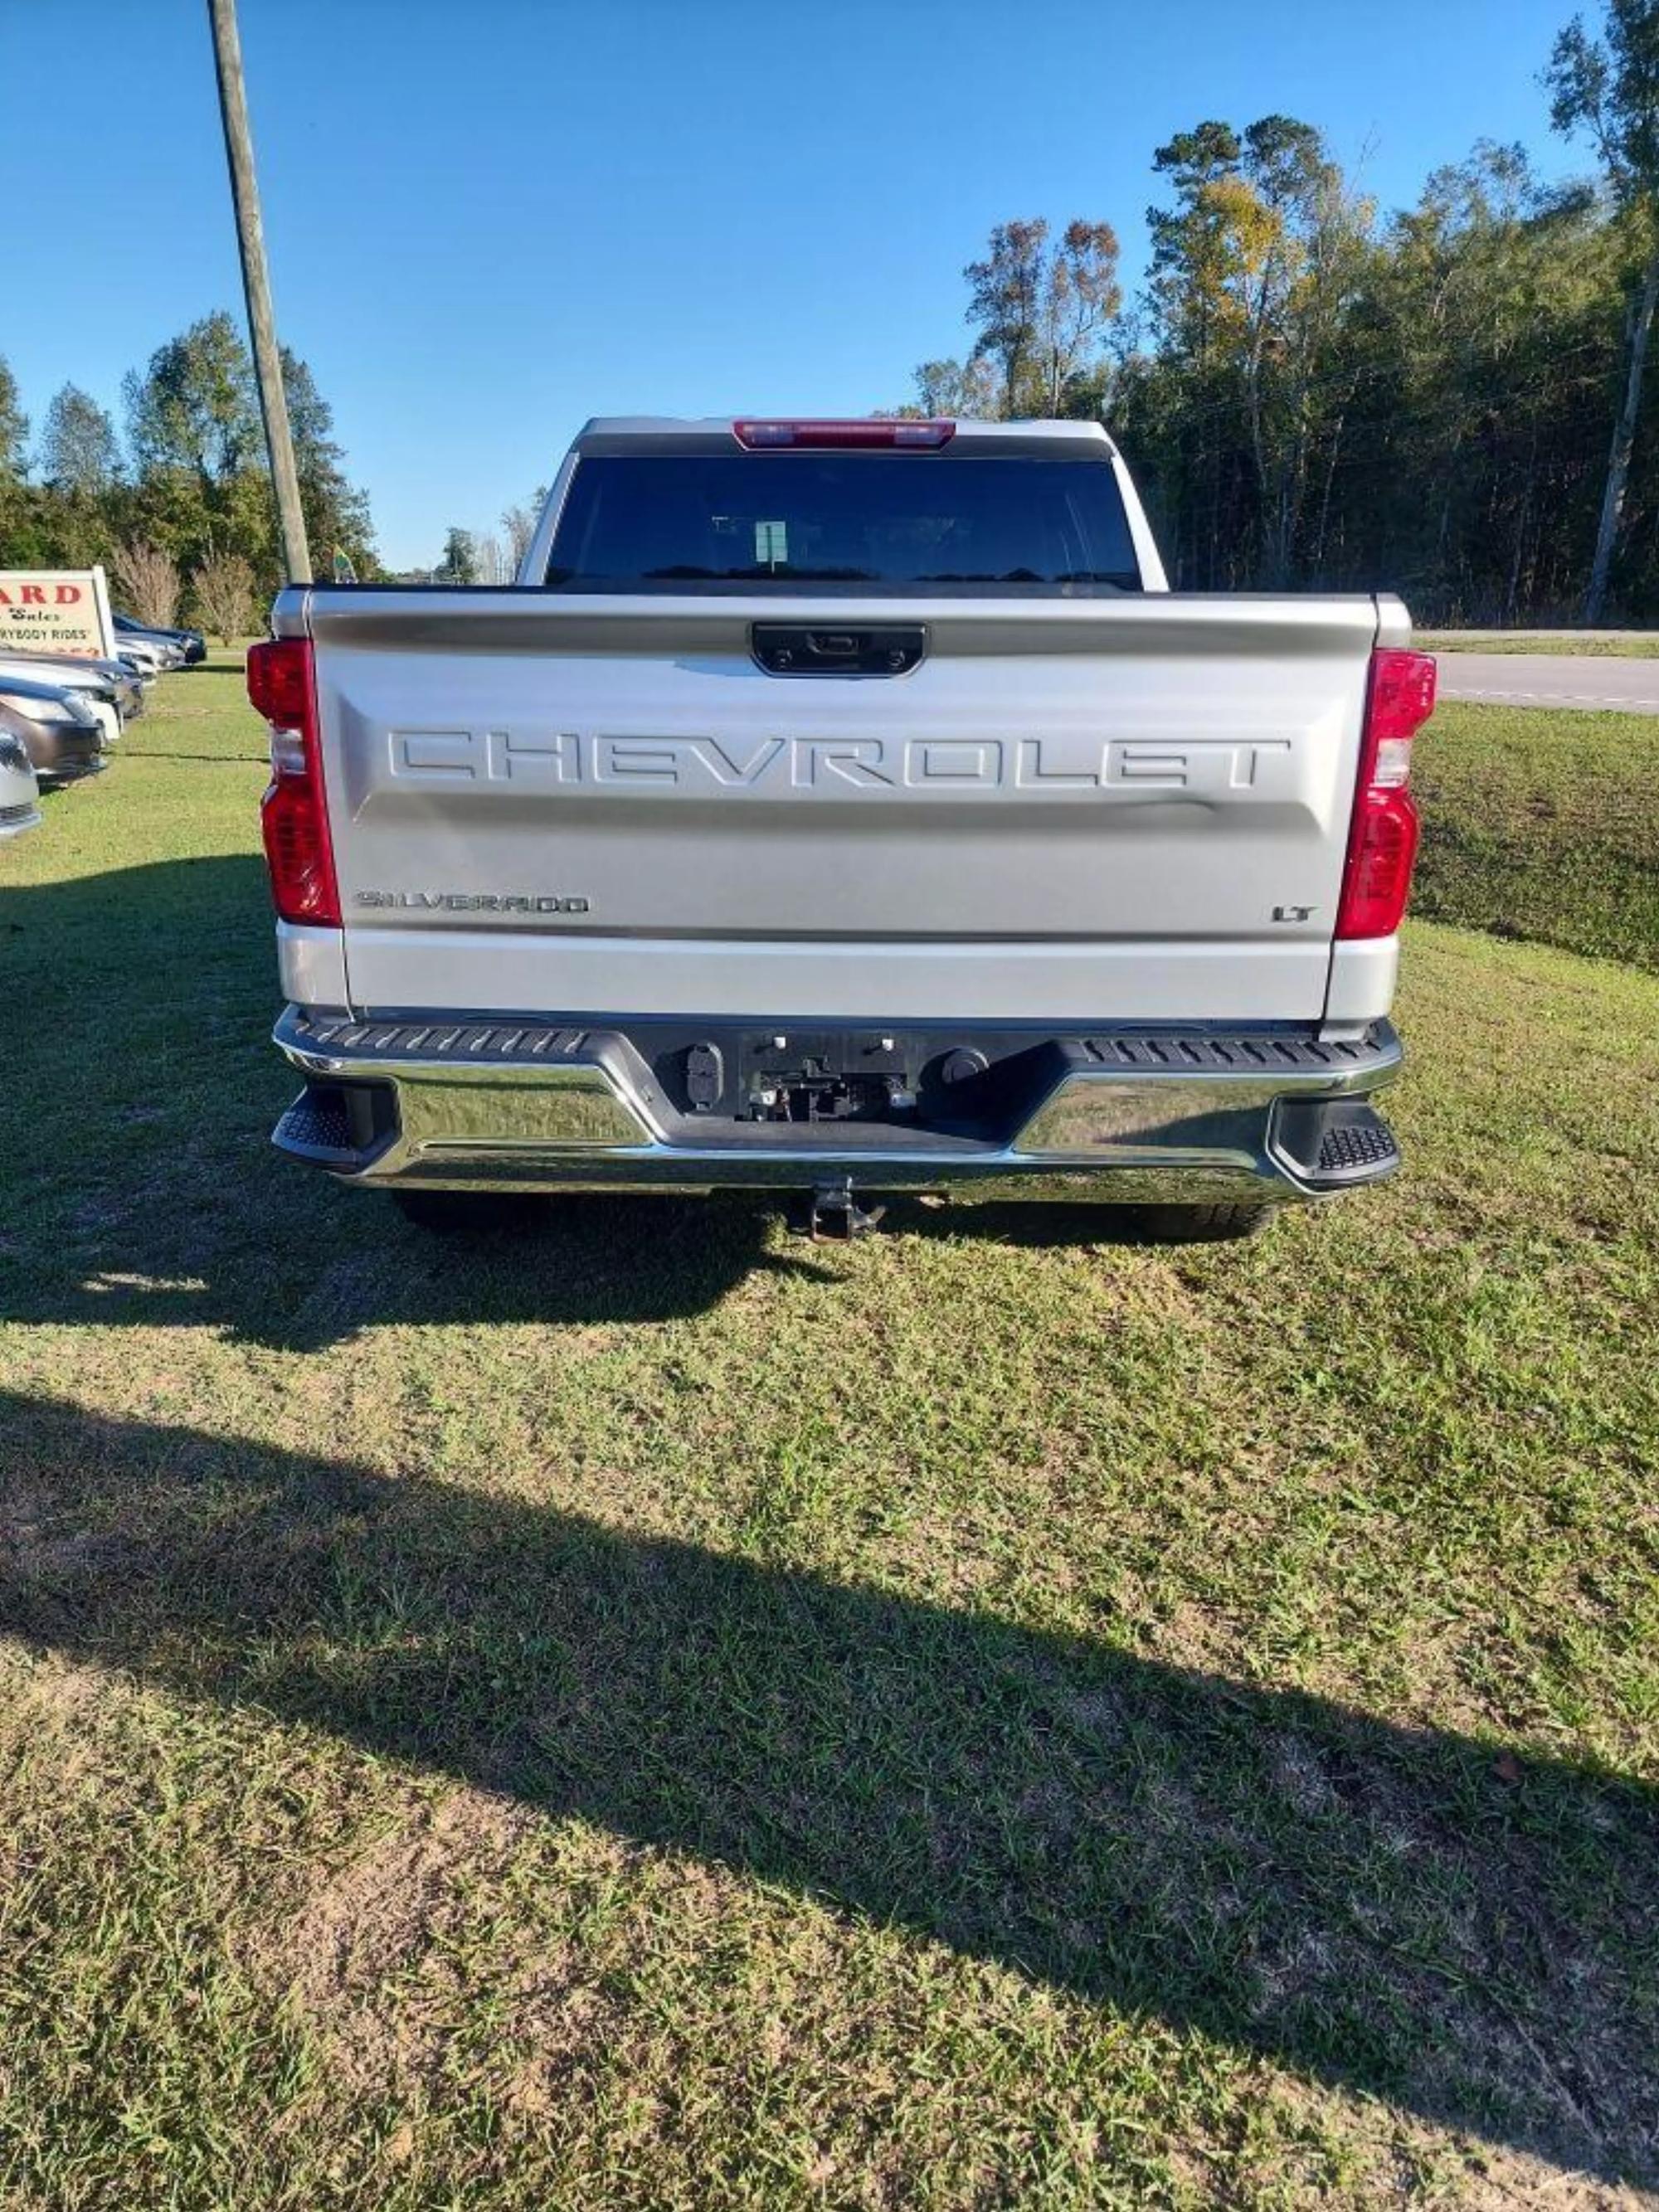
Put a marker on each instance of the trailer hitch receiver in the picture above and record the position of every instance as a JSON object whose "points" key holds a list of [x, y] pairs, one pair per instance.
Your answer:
{"points": [[831, 1215]]}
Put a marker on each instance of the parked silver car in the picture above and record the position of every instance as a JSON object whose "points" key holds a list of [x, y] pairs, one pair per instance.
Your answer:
{"points": [[149, 656], [188, 644], [20, 790]]}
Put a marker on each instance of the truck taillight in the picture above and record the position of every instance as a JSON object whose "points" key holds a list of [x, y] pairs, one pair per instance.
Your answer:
{"points": [[1376, 880], [292, 813]]}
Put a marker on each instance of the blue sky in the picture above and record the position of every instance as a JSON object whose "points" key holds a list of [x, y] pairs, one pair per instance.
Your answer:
{"points": [[489, 220]]}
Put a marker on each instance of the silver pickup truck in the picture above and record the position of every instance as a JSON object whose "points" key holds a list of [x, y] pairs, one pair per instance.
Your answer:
{"points": [[841, 808]]}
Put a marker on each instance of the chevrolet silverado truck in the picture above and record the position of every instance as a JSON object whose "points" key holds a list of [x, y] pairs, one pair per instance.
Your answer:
{"points": [[838, 809]]}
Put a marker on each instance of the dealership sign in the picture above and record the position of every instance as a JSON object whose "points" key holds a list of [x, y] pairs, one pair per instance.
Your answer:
{"points": [[56, 610]]}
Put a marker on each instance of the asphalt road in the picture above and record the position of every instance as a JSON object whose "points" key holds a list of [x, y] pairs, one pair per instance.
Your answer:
{"points": [[1549, 679]]}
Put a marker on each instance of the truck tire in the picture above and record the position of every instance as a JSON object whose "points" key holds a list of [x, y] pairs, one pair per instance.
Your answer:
{"points": [[1197, 1224]]}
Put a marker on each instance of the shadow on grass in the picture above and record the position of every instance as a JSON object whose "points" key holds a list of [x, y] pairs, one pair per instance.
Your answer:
{"points": [[160, 1201], [1372, 1906]]}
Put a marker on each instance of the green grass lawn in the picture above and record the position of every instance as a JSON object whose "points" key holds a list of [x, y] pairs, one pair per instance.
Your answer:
{"points": [[655, 1714], [1543, 826]]}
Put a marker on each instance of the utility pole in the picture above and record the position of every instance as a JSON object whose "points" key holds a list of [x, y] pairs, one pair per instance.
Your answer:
{"points": [[256, 287]]}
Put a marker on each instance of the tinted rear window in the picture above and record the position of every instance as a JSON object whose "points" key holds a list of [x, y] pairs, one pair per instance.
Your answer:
{"points": [[870, 522]]}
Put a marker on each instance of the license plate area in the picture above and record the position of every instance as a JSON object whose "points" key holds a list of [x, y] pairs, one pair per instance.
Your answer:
{"points": [[823, 1075]]}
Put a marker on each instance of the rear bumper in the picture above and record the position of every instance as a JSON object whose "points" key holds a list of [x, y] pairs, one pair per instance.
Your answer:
{"points": [[1125, 1116]]}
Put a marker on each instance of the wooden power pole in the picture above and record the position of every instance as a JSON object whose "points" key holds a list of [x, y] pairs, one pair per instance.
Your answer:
{"points": [[256, 286]]}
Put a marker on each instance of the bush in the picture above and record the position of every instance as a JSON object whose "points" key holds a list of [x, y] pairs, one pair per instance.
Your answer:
{"points": [[224, 595], [147, 580]]}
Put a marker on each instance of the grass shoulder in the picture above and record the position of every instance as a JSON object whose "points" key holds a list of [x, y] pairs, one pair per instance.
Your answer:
{"points": [[660, 1716], [1611, 644], [1542, 824]]}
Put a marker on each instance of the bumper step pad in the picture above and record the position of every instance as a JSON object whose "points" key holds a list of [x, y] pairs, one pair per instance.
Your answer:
{"points": [[1332, 1144], [317, 1126], [1357, 1148]]}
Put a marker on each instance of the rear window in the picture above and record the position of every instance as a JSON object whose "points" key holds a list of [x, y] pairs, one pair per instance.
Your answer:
{"points": [[855, 522]]}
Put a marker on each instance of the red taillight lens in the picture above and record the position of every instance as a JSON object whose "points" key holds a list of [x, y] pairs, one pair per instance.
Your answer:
{"points": [[1377, 881], [279, 680], [294, 814], [1382, 851], [866, 432], [1402, 694], [298, 853]]}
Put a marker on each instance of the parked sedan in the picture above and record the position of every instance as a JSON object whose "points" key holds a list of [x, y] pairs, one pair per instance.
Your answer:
{"points": [[131, 687], [190, 642], [76, 668], [58, 730], [115, 691], [142, 654], [20, 790]]}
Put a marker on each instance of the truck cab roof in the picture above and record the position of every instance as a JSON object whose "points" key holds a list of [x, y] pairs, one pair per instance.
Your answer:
{"points": [[660, 429]]}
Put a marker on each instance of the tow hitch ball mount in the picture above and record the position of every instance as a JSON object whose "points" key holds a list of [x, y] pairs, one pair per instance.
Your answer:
{"points": [[830, 1214]]}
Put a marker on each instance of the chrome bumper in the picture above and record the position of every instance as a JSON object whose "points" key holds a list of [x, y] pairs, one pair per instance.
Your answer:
{"points": [[1133, 1117]]}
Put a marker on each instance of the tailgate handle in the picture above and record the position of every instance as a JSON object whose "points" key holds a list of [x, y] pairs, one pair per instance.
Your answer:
{"points": [[786, 649]]}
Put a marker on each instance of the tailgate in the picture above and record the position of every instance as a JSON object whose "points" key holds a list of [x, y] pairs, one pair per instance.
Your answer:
{"points": [[1123, 808]]}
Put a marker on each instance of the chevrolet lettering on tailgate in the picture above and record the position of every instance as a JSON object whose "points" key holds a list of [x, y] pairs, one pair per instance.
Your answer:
{"points": [[1031, 764]]}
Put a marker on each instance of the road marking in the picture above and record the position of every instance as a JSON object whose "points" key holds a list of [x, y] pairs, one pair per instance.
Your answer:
{"points": [[1554, 698], [1509, 680]]}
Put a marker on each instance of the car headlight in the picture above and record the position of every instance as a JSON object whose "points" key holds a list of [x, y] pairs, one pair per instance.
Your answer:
{"points": [[12, 754], [68, 710]]}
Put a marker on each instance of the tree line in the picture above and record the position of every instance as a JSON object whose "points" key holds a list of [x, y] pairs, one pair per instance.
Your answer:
{"points": [[180, 509], [1447, 401], [488, 557]]}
